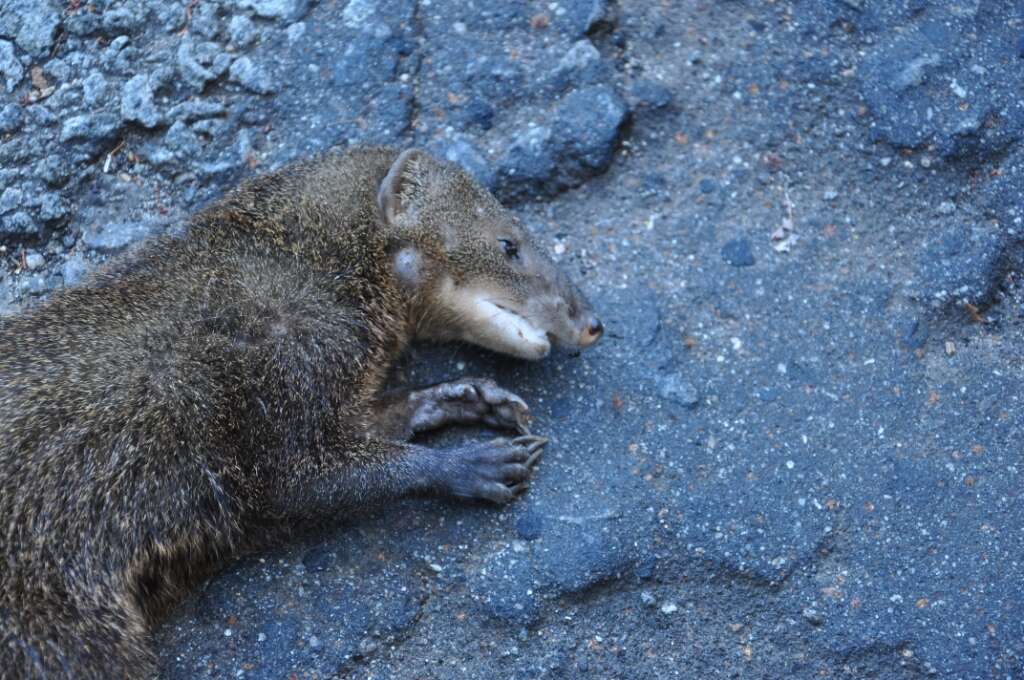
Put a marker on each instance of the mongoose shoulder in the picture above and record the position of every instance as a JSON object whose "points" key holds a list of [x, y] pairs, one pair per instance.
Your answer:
{"points": [[228, 380]]}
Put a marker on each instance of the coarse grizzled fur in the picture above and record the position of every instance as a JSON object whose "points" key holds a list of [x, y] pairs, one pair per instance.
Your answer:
{"points": [[210, 387]]}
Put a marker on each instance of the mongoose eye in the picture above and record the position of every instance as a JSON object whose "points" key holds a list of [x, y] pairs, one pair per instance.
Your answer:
{"points": [[511, 248]]}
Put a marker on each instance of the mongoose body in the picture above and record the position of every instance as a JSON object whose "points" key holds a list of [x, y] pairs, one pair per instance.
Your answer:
{"points": [[215, 385]]}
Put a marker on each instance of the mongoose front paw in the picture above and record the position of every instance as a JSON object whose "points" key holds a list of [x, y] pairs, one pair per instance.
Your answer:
{"points": [[496, 471], [466, 401]]}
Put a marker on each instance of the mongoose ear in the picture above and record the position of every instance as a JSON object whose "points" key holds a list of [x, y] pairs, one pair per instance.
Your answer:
{"points": [[399, 184]]}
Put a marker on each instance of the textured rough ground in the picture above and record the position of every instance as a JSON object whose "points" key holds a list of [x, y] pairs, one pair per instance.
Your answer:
{"points": [[798, 451]]}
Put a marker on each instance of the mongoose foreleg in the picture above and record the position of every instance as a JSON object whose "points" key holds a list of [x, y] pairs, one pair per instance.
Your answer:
{"points": [[375, 470]]}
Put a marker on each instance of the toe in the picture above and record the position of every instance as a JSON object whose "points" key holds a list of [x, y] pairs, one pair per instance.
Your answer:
{"points": [[519, 489], [504, 451], [512, 473], [496, 492], [495, 395]]}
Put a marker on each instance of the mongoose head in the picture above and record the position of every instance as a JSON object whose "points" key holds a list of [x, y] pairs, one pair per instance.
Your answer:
{"points": [[471, 269]]}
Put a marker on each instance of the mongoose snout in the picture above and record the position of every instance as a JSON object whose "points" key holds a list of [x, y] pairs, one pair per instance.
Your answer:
{"points": [[229, 379]]}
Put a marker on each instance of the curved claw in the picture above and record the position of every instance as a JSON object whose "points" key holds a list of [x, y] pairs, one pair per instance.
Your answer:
{"points": [[534, 457], [497, 470], [520, 488]]}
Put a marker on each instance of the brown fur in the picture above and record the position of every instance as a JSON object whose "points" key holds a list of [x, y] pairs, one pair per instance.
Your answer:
{"points": [[212, 385]]}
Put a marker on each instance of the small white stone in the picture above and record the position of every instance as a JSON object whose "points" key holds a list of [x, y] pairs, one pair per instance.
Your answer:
{"points": [[669, 608], [34, 260]]}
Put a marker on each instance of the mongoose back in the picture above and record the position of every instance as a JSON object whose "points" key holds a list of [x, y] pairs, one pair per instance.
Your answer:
{"points": [[220, 383]]}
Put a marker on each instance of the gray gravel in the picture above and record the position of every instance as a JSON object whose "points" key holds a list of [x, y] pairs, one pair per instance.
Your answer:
{"points": [[797, 452]]}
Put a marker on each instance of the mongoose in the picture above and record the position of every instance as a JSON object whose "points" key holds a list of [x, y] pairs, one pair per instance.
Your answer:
{"points": [[229, 380]]}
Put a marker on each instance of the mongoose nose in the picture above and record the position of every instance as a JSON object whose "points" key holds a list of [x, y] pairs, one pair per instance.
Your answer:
{"points": [[593, 333]]}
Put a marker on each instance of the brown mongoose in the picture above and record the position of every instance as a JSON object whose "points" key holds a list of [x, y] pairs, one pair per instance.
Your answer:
{"points": [[229, 380]]}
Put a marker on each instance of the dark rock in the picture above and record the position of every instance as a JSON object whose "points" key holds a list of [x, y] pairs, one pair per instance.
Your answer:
{"points": [[112, 237], [52, 207], [586, 126], [964, 102], [813, 616], [674, 387], [94, 88], [708, 186], [181, 141], [10, 68], [462, 151], [579, 59], [367, 646], [91, 129], [650, 94], [205, 21], [579, 143], [19, 223], [11, 118], [196, 109], [32, 24], [11, 199], [241, 30], [191, 70], [111, 57], [295, 32], [251, 76], [738, 253], [137, 105], [56, 170], [528, 165], [583, 17], [83, 23], [286, 10], [127, 18], [41, 116]]}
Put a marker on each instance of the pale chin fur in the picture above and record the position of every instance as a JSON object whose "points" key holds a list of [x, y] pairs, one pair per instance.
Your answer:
{"points": [[496, 328]]}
